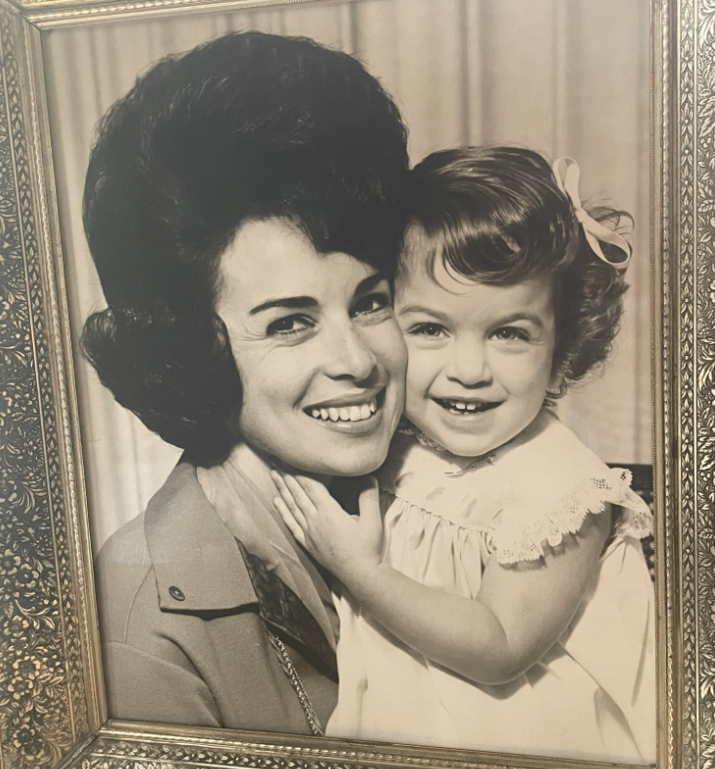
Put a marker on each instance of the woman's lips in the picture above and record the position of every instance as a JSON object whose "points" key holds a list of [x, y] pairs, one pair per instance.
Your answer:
{"points": [[356, 418], [357, 412]]}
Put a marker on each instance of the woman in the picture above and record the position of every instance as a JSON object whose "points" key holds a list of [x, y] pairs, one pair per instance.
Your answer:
{"points": [[244, 206]]}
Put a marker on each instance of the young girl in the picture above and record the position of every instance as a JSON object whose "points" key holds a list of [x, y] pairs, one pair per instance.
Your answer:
{"points": [[504, 602]]}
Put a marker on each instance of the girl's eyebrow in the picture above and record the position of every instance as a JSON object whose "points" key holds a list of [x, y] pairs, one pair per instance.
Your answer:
{"points": [[418, 308], [528, 316]]}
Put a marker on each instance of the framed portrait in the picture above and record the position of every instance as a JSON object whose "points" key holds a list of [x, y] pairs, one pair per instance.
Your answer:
{"points": [[356, 399]]}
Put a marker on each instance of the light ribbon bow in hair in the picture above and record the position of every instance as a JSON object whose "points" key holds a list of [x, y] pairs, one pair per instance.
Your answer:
{"points": [[567, 174]]}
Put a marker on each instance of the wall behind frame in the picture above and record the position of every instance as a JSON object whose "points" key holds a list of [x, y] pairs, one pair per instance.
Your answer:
{"points": [[565, 77]]}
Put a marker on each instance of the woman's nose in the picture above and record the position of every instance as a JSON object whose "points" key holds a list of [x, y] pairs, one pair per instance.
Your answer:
{"points": [[349, 356], [469, 365]]}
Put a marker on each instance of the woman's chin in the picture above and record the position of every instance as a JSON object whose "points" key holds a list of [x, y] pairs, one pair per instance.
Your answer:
{"points": [[346, 463], [328, 448]]}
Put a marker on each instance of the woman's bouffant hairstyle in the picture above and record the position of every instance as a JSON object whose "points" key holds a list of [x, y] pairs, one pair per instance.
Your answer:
{"points": [[247, 127], [497, 215]]}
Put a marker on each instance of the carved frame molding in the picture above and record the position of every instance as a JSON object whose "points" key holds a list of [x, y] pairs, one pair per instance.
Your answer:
{"points": [[51, 701]]}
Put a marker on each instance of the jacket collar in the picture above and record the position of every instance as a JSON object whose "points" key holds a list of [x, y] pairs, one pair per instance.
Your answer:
{"points": [[197, 562], [241, 492], [201, 567]]}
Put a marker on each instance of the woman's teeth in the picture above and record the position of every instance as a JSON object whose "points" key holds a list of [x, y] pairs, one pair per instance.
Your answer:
{"points": [[356, 413]]}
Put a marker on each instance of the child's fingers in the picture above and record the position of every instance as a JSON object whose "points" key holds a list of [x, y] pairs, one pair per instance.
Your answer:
{"points": [[369, 504], [315, 491], [302, 500], [291, 524], [289, 500]]}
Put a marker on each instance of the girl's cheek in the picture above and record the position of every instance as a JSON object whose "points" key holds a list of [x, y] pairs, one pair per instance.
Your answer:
{"points": [[422, 369], [386, 341]]}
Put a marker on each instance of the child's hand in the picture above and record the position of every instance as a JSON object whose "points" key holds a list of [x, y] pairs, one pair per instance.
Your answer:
{"points": [[348, 546]]}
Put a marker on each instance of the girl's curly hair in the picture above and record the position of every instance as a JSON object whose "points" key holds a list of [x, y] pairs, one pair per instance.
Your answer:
{"points": [[497, 215], [248, 126]]}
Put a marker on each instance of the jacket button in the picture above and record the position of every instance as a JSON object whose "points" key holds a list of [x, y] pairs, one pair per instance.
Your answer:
{"points": [[176, 593]]}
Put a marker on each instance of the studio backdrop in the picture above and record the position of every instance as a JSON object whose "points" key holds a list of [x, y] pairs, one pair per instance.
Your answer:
{"points": [[566, 77]]}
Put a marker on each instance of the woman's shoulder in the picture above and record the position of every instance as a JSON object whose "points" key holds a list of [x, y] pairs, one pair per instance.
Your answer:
{"points": [[125, 561]]}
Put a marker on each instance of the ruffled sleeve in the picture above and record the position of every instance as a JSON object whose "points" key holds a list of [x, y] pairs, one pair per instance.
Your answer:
{"points": [[555, 483], [522, 537]]}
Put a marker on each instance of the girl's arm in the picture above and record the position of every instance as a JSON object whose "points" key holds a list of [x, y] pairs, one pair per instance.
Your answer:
{"points": [[520, 611]]}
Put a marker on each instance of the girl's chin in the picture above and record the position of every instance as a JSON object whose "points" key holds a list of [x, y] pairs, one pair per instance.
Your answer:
{"points": [[459, 444]]}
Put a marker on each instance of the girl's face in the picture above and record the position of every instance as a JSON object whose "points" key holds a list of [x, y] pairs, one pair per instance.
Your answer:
{"points": [[318, 351], [479, 356]]}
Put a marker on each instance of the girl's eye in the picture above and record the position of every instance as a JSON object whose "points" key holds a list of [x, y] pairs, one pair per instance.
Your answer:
{"points": [[293, 324], [371, 303], [432, 330], [511, 333]]}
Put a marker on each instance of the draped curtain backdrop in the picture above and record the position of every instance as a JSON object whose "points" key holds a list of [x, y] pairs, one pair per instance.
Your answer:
{"points": [[565, 77]]}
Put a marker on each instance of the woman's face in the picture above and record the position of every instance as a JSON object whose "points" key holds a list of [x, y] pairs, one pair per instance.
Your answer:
{"points": [[318, 351]]}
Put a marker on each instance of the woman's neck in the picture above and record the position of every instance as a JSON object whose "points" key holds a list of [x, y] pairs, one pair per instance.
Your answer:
{"points": [[256, 465]]}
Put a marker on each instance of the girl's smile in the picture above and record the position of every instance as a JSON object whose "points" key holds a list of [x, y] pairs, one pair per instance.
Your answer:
{"points": [[480, 355]]}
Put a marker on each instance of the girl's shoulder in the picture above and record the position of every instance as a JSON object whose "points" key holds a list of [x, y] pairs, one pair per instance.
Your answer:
{"points": [[472, 490], [548, 457], [532, 491], [555, 482], [545, 457]]}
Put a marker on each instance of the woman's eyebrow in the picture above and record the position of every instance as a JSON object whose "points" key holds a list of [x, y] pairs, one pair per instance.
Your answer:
{"points": [[370, 282], [288, 302], [303, 302]]}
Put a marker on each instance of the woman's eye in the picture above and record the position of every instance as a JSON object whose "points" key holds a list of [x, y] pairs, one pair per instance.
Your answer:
{"points": [[511, 333], [431, 330], [293, 324], [371, 303]]}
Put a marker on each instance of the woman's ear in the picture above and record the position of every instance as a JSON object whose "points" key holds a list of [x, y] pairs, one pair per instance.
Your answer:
{"points": [[556, 381]]}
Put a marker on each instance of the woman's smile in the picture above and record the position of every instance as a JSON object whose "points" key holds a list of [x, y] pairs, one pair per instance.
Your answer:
{"points": [[355, 414], [319, 353]]}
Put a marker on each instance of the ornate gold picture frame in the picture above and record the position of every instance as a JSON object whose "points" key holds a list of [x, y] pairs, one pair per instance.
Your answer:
{"points": [[53, 707]]}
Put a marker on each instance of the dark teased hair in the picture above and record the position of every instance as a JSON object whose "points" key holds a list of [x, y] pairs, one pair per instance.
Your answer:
{"points": [[248, 126], [497, 215]]}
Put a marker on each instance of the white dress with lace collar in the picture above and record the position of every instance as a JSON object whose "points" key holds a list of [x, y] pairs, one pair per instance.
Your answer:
{"points": [[592, 696]]}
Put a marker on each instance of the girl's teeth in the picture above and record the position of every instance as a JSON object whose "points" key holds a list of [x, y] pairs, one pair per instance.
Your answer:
{"points": [[365, 411], [324, 414], [463, 407], [354, 413], [345, 415], [316, 413], [373, 405], [334, 414]]}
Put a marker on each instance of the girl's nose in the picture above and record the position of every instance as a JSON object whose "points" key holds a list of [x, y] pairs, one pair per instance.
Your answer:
{"points": [[349, 356], [469, 365]]}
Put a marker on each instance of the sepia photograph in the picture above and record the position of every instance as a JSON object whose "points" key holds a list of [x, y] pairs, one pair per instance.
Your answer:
{"points": [[360, 303]]}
